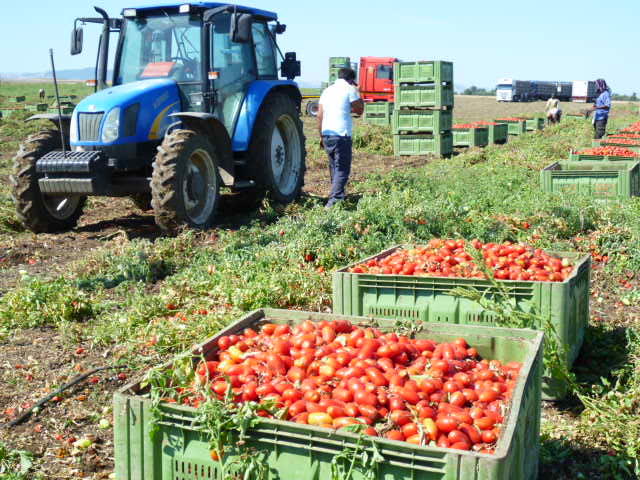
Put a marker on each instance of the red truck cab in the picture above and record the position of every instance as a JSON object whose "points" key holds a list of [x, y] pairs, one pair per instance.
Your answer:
{"points": [[376, 78]]}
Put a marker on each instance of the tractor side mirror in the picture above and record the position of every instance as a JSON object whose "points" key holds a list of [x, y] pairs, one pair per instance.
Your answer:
{"points": [[241, 27], [290, 67], [76, 41]]}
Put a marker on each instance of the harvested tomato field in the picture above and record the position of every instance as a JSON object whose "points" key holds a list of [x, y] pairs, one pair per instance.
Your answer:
{"points": [[116, 292]]}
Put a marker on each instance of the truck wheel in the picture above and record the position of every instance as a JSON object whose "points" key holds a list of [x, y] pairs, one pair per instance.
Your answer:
{"points": [[312, 108], [38, 212], [277, 150], [142, 201], [185, 185]]}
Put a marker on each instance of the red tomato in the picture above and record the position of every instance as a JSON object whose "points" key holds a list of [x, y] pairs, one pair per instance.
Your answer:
{"points": [[395, 435]]}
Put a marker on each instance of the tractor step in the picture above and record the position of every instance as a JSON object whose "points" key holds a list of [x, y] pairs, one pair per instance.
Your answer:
{"points": [[71, 162], [85, 173]]}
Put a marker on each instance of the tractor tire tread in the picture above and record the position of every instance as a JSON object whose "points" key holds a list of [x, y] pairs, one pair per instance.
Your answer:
{"points": [[30, 209], [259, 148]]}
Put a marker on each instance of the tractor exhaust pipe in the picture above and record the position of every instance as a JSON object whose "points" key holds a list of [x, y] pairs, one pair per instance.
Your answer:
{"points": [[55, 84], [104, 50]]}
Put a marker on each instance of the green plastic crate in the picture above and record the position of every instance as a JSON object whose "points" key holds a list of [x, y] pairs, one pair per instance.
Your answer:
{"points": [[429, 299], [378, 108], [18, 99], [533, 124], [581, 157], [612, 143], [422, 121], [422, 144], [7, 112], [381, 120], [604, 180], [470, 137], [430, 96], [514, 127], [65, 110], [436, 71], [497, 133], [39, 107], [339, 62], [180, 450]]}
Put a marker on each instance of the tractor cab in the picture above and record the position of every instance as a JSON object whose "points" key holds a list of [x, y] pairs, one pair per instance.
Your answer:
{"points": [[196, 103]]}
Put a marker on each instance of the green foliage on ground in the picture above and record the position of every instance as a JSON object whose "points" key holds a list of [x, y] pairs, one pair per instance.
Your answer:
{"points": [[127, 295]]}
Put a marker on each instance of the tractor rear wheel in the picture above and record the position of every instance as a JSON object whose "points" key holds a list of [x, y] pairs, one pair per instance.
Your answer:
{"points": [[277, 150], [38, 212], [312, 108], [185, 184]]}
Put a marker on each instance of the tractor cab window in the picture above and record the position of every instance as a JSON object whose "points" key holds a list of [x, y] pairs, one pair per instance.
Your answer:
{"points": [[265, 51], [234, 69], [385, 72], [161, 46]]}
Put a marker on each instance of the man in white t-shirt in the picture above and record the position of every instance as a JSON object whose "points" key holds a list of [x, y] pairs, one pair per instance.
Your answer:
{"points": [[336, 105]]}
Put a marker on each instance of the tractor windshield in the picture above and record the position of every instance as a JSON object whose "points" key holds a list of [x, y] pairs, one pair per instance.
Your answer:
{"points": [[160, 46]]}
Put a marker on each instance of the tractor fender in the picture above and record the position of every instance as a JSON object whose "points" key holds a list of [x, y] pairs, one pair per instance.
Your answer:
{"points": [[215, 130], [54, 118], [252, 104]]}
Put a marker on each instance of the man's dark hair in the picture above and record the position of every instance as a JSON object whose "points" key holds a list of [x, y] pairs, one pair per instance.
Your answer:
{"points": [[347, 74]]}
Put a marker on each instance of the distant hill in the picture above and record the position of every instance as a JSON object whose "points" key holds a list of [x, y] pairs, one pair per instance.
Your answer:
{"points": [[71, 74]]}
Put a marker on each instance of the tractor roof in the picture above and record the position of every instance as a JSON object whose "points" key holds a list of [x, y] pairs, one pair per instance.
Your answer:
{"points": [[254, 11]]}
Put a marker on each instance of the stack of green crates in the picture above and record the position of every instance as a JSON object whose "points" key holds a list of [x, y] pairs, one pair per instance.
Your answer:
{"points": [[378, 113], [335, 64], [423, 113]]}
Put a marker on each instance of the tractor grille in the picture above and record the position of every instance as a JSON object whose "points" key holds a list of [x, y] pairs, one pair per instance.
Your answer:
{"points": [[89, 126]]}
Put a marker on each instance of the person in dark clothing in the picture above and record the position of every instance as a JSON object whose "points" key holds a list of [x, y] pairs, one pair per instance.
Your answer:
{"points": [[601, 108], [336, 105]]}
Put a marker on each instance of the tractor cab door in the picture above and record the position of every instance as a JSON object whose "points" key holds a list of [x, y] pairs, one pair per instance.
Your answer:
{"points": [[232, 69]]}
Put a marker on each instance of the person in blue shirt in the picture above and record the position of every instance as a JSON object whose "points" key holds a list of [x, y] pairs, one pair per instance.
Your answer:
{"points": [[601, 108]]}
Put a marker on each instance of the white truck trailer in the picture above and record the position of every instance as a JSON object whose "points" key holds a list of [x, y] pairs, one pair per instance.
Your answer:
{"points": [[583, 91], [510, 90]]}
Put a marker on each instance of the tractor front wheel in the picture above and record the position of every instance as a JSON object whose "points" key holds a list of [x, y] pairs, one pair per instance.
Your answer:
{"points": [[277, 150], [185, 184], [38, 212]]}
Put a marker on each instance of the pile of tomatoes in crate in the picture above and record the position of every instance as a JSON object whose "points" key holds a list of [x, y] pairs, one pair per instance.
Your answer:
{"points": [[624, 135], [609, 152], [634, 127], [333, 374], [450, 258], [465, 125], [484, 124], [624, 141]]}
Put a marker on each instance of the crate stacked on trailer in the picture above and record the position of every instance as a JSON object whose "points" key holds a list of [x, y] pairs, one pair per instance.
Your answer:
{"points": [[378, 113], [422, 118], [335, 64]]}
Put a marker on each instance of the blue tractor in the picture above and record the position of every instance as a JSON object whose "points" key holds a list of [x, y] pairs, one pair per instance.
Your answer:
{"points": [[196, 104]]}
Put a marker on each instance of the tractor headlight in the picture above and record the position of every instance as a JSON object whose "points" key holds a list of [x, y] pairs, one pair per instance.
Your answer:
{"points": [[111, 126], [73, 131]]}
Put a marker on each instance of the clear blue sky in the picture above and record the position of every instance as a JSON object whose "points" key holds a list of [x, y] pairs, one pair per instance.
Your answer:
{"points": [[544, 40]]}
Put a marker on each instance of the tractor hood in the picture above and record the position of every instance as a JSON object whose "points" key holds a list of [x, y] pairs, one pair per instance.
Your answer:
{"points": [[143, 114]]}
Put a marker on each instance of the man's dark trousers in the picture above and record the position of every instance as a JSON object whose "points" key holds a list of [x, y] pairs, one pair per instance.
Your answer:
{"points": [[339, 151], [600, 127]]}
